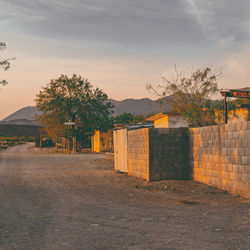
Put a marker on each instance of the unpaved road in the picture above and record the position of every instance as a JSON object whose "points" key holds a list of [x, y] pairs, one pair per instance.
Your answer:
{"points": [[78, 202]]}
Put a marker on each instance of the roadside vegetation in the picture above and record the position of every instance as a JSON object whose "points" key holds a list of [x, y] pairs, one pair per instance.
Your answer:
{"points": [[8, 141], [128, 118]]}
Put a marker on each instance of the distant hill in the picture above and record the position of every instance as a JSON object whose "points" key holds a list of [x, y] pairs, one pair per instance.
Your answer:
{"points": [[24, 116], [26, 113]]}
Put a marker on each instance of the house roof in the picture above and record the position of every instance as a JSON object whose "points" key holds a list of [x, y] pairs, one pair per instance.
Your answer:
{"points": [[161, 115], [132, 126], [156, 117]]}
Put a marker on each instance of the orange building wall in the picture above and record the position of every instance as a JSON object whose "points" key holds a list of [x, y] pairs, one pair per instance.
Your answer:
{"points": [[161, 123]]}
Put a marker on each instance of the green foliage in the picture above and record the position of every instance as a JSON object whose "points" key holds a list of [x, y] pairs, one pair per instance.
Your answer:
{"points": [[4, 63], [191, 96], [72, 99], [17, 139], [128, 118], [8, 141]]}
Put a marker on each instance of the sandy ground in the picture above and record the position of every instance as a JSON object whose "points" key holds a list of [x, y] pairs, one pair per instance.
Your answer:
{"points": [[59, 201]]}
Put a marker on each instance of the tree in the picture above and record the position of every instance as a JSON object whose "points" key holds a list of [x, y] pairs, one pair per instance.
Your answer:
{"points": [[4, 63], [72, 99], [128, 118], [191, 96]]}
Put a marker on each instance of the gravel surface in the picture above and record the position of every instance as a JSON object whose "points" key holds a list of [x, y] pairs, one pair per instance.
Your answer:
{"points": [[59, 201]]}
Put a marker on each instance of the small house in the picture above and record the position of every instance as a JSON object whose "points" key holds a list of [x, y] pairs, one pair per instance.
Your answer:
{"points": [[168, 120]]}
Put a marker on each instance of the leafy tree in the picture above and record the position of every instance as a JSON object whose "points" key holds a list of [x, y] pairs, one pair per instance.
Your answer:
{"points": [[72, 99], [128, 118], [191, 96], [4, 63]]}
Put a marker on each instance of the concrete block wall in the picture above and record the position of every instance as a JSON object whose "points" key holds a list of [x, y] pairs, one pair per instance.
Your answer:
{"points": [[168, 154], [157, 154], [216, 155], [220, 156], [138, 153]]}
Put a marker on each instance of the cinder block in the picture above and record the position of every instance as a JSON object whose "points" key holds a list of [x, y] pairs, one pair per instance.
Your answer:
{"points": [[238, 143], [245, 178], [232, 127], [241, 134], [244, 160], [247, 151], [230, 186], [237, 159], [227, 175], [213, 181], [247, 169], [231, 159], [221, 128], [232, 176], [247, 134], [236, 134], [215, 174], [235, 151], [244, 125], [215, 129], [238, 177], [241, 151], [235, 168], [246, 192], [226, 142], [241, 186], [230, 151], [229, 167], [238, 126]]}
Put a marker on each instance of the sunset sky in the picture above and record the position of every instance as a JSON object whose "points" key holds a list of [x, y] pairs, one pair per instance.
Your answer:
{"points": [[120, 45]]}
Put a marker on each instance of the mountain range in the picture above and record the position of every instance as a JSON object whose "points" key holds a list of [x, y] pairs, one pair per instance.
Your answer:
{"points": [[144, 106]]}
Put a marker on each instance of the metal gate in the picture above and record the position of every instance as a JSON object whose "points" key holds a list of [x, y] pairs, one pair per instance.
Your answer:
{"points": [[121, 150]]}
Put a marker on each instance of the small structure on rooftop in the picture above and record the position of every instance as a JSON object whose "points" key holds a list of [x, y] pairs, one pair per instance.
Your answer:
{"points": [[168, 120]]}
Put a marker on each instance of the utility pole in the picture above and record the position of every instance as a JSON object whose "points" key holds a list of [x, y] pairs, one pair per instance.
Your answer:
{"points": [[225, 107], [73, 139], [70, 123]]}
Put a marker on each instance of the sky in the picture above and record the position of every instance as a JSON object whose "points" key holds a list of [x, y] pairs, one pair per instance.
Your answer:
{"points": [[120, 45]]}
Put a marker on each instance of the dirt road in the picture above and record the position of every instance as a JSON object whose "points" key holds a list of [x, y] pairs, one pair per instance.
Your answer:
{"points": [[62, 201]]}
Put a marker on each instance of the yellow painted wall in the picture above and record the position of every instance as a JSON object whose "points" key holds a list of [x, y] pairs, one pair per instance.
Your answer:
{"points": [[161, 123], [95, 141], [102, 141]]}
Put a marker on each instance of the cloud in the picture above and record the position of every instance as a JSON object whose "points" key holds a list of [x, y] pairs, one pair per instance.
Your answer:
{"points": [[225, 26], [197, 13], [131, 26], [226, 42], [236, 69], [120, 22]]}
